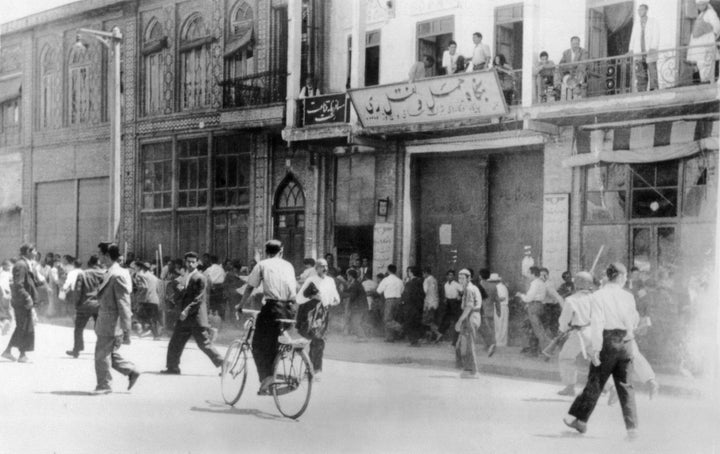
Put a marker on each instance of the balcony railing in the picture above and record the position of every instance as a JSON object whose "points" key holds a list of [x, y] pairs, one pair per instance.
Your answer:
{"points": [[255, 90], [628, 73]]}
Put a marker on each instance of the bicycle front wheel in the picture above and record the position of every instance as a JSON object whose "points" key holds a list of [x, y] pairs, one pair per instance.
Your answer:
{"points": [[233, 375], [293, 382]]}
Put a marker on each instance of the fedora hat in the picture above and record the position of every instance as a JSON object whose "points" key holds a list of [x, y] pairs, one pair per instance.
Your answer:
{"points": [[494, 277]]}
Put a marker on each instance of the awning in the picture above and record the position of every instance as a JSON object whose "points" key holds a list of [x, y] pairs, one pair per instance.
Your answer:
{"points": [[238, 43], [10, 89], [643, 155]]}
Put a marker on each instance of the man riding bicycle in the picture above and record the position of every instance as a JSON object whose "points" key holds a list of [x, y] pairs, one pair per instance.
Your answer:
{"points": [[279, 288]]}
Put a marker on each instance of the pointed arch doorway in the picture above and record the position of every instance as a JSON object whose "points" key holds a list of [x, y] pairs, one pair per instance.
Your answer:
{"points": [[289, 220]]}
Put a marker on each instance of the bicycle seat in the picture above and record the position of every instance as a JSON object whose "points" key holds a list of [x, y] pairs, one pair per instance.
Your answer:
{"points": [[296, 341]]}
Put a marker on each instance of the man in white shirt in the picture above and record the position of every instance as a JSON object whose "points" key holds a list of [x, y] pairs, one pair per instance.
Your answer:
{"points": [[450, 59], [452, 292], [481, 54], [575, 317], [308, 272], [534, 299], [702, 47], [431, 303], [215, 275], [313, 309], [391, 288], [644, 44], [279, 288]]}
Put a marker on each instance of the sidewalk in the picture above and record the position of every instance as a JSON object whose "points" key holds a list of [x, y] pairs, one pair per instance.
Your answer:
{"points": [[507, 361]]}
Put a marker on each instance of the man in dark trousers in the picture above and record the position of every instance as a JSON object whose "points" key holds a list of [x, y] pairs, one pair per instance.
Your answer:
{"points": [[114, 321], [24, 298], [193, 319], [86, 304], [413, 299]]}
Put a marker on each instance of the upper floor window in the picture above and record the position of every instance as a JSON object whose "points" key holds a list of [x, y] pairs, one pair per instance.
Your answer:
{"points": [[193, 173], [80, 101], [195, 64], [152, 81], [232, 172], [157, 175], [49, 105], [239, 53]]}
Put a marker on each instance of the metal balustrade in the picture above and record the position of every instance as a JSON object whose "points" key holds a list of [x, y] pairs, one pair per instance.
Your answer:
{"points": [[254, 90]]}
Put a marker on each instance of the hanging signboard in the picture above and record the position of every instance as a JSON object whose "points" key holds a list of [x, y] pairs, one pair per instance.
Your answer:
{"points": [[455, 97], [383, 244], [326, 109]]}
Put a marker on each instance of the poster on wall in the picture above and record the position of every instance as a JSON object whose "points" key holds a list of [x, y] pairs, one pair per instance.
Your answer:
{"points": [[383, 245], [556, 230]]}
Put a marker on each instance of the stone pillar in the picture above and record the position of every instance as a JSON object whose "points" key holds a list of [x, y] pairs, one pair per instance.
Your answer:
{"points": [[294, 58]]}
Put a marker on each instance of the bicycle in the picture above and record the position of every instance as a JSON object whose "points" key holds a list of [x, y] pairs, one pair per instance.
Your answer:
{"points": [[292, 370]]}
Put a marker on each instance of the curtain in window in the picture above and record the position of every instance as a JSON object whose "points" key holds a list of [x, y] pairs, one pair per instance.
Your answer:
{"points": [[195, 73]]}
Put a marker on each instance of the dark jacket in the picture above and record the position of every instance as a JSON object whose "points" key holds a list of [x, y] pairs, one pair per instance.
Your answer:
{"points": [[491, 301], [87, 286], [146, 285], [413, 294], [357, 300], [194, 297], [24, 285]]}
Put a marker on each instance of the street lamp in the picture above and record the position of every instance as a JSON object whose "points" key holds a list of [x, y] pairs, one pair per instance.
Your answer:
{"points": [[112, 41]]}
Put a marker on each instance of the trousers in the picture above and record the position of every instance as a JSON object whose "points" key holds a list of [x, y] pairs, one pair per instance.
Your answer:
{"points": [[23, 338], [487, 330], [501, 326], [450, 317], [392, 327], [465, 348], [106, 355], [267, 330], [568, 355], [615, 358], [537, 334], [179, 338], [81, 319]]}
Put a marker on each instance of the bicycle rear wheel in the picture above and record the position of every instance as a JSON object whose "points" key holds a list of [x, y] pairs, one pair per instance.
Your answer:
{"points": [[233, 375], [293, 382]]}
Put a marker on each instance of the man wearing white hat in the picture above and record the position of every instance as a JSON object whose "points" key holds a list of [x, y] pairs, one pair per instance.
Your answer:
{"points": [[702, 50]]}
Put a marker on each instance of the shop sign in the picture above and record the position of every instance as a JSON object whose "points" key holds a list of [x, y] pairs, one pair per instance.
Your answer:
{"points": [[383, 246], [556, 225], [455, 97], [326, 109]]}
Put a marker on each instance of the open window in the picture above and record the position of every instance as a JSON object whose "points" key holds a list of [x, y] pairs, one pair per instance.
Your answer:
{"points": [[239, 48], [372, 58], [433, 38], [609, 31], [509, 34]]}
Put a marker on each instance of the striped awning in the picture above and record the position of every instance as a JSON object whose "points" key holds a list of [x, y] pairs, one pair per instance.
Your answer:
{"points": [[656, 142]]}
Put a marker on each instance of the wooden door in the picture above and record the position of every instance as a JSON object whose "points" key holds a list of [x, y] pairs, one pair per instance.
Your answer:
{"points": [[289, 220], [55, 217]]}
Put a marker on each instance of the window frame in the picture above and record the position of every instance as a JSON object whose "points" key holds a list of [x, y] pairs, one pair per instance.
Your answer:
{"points": [[195, 50]]}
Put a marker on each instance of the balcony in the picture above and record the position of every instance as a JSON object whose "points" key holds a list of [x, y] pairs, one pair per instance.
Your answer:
{"points": [[255, 90]]}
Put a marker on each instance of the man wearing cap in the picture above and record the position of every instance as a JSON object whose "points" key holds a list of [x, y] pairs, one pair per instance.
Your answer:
{"points": [[193, 318], [114, 320], [575, 317], [277, 277], [702, 50], [468, 325]]}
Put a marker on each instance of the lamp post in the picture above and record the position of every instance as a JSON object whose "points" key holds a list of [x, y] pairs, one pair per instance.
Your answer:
{"points": [[112, 41]]}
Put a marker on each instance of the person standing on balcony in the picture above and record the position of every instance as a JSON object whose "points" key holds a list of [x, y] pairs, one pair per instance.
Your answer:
{"points": [[644, 44], [450, 59], [544, 72], [481, 54], [702, 48], [571, 73], [420, 69], [309, 89], [506, 76]]}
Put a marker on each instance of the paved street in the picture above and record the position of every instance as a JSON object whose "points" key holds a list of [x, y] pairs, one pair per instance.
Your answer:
{"points": [[357, 407]]}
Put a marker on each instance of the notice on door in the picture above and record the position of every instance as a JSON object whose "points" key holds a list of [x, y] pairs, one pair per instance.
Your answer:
{"points": [[383, 245], [445, 234], [556, 225]]}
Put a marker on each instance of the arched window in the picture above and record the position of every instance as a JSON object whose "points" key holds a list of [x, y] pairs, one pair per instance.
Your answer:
{"points": [[291, 197], [241, 19], [49, 102], [80, 101], [195, 64], [289, 217], [153, 45], [239, 52]]}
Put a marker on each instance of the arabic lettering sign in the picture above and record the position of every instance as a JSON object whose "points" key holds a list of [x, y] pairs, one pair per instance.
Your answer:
{"points": [[454, 97], [326, 109], [383, 246], [556, 225]]}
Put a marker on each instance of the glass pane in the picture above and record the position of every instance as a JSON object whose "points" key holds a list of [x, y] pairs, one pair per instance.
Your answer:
{"points": [[282, 221], [158, 173], [202, 173], [667, 173], [183, 165], [243, 197], [300, 221], [192, 174], [651, 203], [233, 197], [220, 197], [232, 171], [167, 200], [167, 176], [605, 206], [157, 201], [202, 198], [667, 251], [148, 201], [643, 175], [641, 248], [220, 180], [183, 199], [192, 198]]}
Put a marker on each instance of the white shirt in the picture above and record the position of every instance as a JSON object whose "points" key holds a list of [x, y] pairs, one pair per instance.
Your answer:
{"points": [[503, 293], [612, 307], [652, 36], [527, 263], [430, 288], [536, 292], [391, 287], [215, 274], [5, 277], [449, 62], [327, 291], [576, 310], [481, 54], [278, 278], [453, 289], [71, 279]]}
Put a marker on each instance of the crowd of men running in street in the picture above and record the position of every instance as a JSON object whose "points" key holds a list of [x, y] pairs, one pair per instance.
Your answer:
{"points": [[599, 325]]}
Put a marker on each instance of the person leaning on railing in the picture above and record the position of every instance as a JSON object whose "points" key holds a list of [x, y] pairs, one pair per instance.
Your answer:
{"points": [[703, 49], [544, 73], [571, 74]]}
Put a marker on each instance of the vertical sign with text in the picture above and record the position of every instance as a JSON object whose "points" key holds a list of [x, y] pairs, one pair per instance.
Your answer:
{"points": [[383, 246], [556, 229]]}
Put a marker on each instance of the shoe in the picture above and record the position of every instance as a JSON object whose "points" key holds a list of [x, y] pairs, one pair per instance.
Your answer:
{"points": [[569, 390], [470, 375], [613, 397], [265, 386], [575, 423], [101, 391], [654, 388], [9, 356], [632, 435], [491, 350], [23, 359], [170, 371], [132, 379], [72, 353], [317, 376]]}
